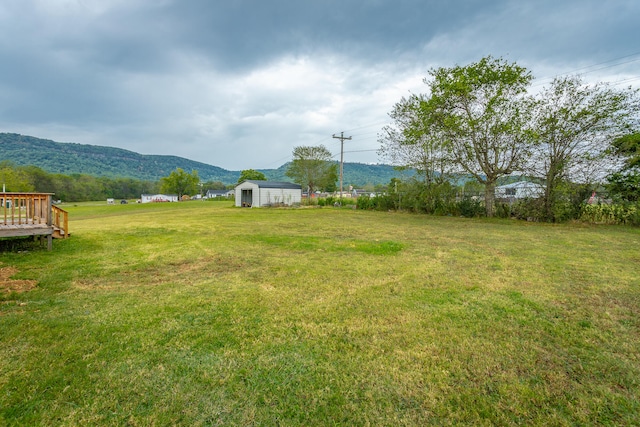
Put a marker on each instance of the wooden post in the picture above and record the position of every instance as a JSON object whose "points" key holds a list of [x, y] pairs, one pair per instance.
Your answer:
{"points": [[49, 222]]}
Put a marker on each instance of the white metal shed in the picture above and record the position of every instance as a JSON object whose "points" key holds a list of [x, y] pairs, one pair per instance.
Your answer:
{"points": [[252, 193]]}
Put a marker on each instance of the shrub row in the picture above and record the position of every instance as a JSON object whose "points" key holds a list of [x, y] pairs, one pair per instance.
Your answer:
{"points": [[622, 213], [568, 203]]}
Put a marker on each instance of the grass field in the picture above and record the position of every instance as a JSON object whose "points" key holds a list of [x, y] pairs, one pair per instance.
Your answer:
{"points": [[203, 314]]}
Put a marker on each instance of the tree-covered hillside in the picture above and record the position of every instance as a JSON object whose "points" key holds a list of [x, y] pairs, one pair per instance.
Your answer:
{"points": [[72, 158]]}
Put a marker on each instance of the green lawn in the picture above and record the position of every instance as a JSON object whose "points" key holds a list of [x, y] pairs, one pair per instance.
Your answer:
{"points": [[199, 313]]}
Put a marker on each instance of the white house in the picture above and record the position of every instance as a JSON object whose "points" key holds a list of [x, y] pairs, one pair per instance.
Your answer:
{"points": [[148, 198], [212, 194], [252, 193], [520, 190]]}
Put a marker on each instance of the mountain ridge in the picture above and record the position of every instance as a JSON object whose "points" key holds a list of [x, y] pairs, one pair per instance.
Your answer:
{"points": [[73, 158]]}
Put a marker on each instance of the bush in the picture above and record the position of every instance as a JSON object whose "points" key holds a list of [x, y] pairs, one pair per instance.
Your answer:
{"points": [[437, 198], [382, 202], [622, 213], [310, 201], [528, 209], [335, 201], [503, 210], [470, 207]]}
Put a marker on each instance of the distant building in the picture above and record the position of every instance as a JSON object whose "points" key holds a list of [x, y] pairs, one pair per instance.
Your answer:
{"points": [[252, 193], [520, 190], [155, 198], [212, 194]]}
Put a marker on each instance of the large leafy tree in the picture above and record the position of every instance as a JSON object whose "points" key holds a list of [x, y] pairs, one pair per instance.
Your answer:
{"points": [[313, 168], [180, 182], [574, 123], [481, 112], [413, 142], [251, 174]]}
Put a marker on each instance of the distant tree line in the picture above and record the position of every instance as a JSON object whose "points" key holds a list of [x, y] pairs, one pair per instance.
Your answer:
{"points": [[83, 187], [71, 188]]}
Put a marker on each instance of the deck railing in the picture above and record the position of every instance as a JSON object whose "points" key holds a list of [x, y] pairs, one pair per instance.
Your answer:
{"points": [[60, 220], [24, 210]]}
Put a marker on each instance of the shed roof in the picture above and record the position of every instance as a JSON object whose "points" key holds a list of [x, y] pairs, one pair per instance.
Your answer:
{"points": [[521, 184], [274, 184]]}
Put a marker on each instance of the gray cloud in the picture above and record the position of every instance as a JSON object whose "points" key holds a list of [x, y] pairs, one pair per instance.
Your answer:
{"points": [[238, 84]]}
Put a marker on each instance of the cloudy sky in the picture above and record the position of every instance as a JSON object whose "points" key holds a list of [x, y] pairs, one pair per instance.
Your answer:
{"points": [[239, 83]]}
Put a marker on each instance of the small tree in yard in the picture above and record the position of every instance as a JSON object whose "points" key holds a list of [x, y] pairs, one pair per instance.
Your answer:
{"points": [[312, 168], [251, 175], [180, 183]]}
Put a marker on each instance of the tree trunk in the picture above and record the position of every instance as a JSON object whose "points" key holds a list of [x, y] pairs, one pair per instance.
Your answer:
{"points": [[489, 197], [553, 179]]}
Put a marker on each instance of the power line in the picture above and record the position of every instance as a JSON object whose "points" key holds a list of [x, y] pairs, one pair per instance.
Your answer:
{"points": [[365, 126], [611, 60], [540, 81], [359, 151]]}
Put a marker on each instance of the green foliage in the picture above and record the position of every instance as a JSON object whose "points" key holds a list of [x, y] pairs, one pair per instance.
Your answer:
{"points": [[251, 175], [70, 158], [414, 140], [478, 119], [628, 147], [416, 196], [313, 169], [66, 159], [437, 198], [180, 182], [473, 188], [471, 207], [479, 111], [503, 210], [14, 179], [75, 188], [356, 174], [627, 213], [380, 202], [337, 201], [624, 184], [213, 185], [567, 204], [528, 209], [568, 201], [574, 124], [624, 213]]}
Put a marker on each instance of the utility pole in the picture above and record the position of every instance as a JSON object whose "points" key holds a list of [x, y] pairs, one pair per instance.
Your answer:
{"points": [[341, 138]]}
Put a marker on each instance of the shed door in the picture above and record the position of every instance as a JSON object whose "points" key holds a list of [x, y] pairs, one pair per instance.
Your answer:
{"points": [[247, 198]]}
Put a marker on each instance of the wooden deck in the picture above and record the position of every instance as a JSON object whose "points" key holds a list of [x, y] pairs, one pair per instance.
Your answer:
{"points": [[32, 214]]}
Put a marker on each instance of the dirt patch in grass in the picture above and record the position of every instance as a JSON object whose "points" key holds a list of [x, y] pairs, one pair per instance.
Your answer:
{"points": [[10, 285]]}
